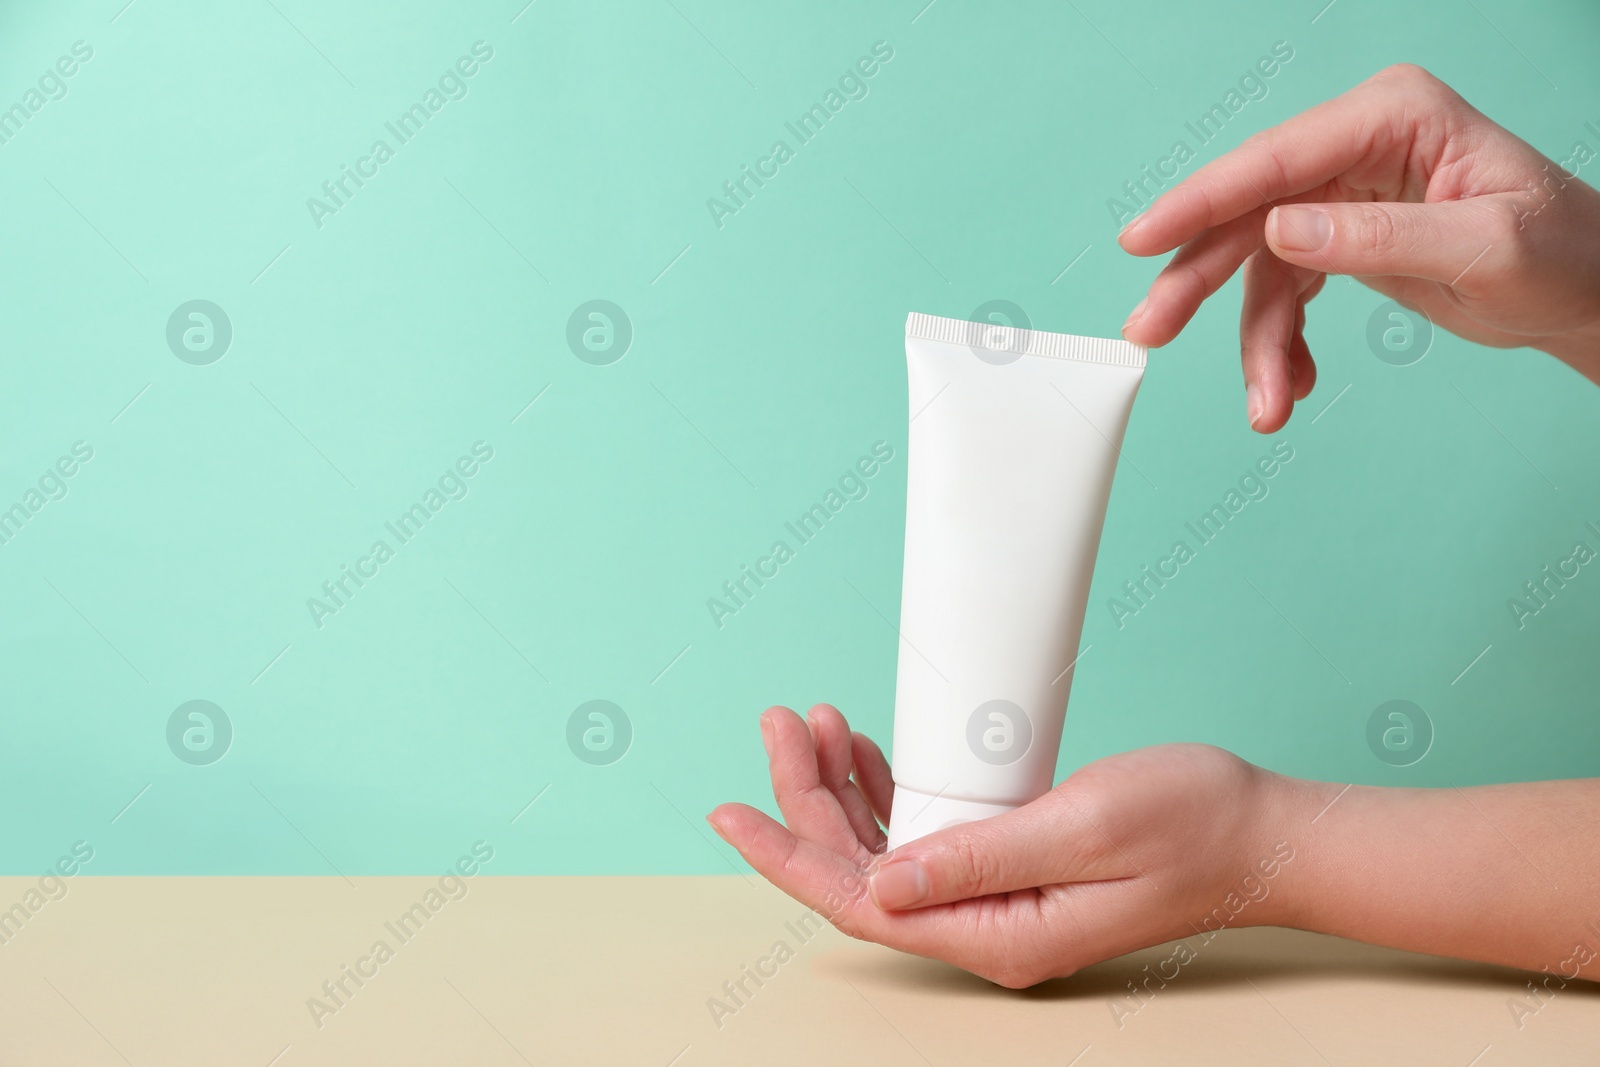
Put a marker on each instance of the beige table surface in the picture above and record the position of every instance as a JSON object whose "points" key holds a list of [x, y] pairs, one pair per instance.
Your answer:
{"points": [[148, 971]]}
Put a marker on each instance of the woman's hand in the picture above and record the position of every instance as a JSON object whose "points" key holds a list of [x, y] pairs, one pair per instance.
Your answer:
{"points": [[1173, 841], [1133, 850], [1403, 184]]}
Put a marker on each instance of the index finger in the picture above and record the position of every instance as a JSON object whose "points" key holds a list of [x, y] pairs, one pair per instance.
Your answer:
{"points": [[1306, 152]]}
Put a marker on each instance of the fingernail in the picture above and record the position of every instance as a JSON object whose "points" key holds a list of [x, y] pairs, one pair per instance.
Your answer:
{"points": [[1130, 227], [1303, 229], [1252, 403], [899, 884], [1136, 314], [766, 734], [714, 826]]}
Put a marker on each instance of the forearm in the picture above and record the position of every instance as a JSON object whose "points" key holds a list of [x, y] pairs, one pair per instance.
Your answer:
{"points": [[1506, 874]]}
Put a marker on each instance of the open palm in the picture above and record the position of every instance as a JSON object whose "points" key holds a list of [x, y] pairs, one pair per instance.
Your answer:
{"points": [[1128, 852]]}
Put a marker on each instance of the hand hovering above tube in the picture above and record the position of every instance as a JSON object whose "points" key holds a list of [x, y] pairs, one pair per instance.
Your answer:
{"points": [[1128, 852], [1405, 186]]}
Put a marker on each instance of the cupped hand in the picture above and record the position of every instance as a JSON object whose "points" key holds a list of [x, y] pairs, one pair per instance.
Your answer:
{"points": [[1402, 184], [1128, 852]]}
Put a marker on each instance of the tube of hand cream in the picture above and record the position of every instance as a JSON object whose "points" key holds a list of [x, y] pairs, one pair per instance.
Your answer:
{"points": [[1013, 442]]}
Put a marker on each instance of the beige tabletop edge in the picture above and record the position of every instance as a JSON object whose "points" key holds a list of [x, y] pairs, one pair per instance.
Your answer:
{"points": [[685, 971]]}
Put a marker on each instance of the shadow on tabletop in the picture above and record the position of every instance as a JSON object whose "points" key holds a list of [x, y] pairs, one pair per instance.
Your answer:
{"points": [[1231, 959]]}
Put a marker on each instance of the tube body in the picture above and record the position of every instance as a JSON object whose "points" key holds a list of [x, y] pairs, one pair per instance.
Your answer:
{"points": [[1013, 442]]}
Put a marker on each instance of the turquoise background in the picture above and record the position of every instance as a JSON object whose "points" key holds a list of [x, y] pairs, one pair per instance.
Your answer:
{"points": [[369, 353]]}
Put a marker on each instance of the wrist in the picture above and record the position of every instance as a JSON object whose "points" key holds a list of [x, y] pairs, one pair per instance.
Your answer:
{"points": [[1579, 349], [1286, 807]]}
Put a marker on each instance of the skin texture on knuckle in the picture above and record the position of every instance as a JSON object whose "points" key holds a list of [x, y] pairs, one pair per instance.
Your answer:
{"points": [[1415, 80], [847, 922], [1191, 191], [969, 867], [1375, 235], [1184, 282], [788, 863], [1277, 170]]}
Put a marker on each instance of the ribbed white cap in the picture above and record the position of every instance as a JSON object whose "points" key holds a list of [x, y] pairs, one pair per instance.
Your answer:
{"points": [[920, 814]]}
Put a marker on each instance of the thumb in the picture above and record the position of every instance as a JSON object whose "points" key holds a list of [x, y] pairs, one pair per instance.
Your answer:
{"points": [[1041, 843], [1433, 241]]}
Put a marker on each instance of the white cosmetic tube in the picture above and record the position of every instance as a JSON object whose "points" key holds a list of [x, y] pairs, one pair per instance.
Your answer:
{"points": [[1013, 442]]}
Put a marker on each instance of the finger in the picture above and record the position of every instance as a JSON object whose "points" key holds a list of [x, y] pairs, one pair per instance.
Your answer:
{"points": [[1302, 368], [1043, 843], [872, 774], [1438, 242], [831, 736], [810, 808], [1200, 268], [817, 877], [806, 870], [835, 760], [997, 937], [1372, 121], [1266, 327]]}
